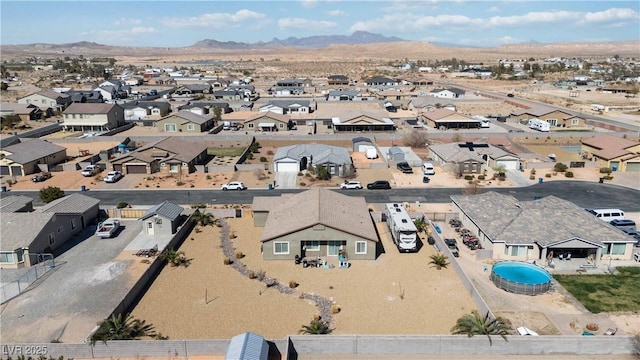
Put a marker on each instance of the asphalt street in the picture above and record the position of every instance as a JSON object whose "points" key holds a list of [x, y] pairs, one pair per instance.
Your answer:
{"points": [[584, 194]]}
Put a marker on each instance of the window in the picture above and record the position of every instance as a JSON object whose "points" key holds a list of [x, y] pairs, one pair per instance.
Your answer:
{"points": [[20, 255], [6, 257], [553, 122], [280, 248], [170, 127], [52, 239], [361, 247], [281, 126], [575, 122], [518, 250], [334, 247], [60, 229], [191, 127], [616, 249], [312, 245], [250, 126]]}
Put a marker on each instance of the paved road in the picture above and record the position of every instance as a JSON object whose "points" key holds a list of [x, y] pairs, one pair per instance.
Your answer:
{"points": [[584, 194]]}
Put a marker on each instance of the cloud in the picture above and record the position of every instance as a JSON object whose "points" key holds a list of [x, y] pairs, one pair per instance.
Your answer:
{"points": [[493, 9], [120, 36], [506, 40], [214, 20], [611, 15], [308, 3], [304, 24], [335, 12], [128, 21]]}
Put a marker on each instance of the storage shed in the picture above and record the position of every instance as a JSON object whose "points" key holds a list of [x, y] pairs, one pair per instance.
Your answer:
{"points": [[247, 346], [361, 144], [396, 154]]}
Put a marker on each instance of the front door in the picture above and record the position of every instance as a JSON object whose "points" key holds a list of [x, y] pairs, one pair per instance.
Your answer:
{"points": [[150, 228]]}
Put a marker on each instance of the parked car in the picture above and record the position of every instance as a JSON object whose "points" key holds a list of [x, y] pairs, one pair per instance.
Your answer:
{"points": [[351, 185], [113, 176], [234, 185], [91, 170], [452, 244], [392, 109], [379, 184], [41, 177], [108, 228], [404, 167], [623, 224], [510, 95]]}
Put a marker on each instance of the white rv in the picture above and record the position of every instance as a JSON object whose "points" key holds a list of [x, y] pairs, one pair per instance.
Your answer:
{"points": [[403, 230], [539, 125]]}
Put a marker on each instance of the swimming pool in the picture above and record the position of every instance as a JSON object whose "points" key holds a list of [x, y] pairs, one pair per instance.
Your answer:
{"points": [[572, 148], [520, 277]]}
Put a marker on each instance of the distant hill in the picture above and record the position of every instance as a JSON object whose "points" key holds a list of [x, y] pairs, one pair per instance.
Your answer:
{"points": [[311, 42]]}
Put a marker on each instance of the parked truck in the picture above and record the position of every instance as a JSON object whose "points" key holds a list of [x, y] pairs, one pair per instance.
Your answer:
{"points": [[91, 170], [108, 228], [403, 230]]}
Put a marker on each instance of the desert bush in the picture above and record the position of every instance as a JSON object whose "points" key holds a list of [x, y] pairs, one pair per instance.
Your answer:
{"points": [[560, 167], [481, 177], [263, 159], [416, 139], [122, 205], [605, 170], [335, 309], [261, 274], [227, 261], [568, 174], [532, 177], [533, 171], [239, 255], [269, 152], [293, 284], [303, 184], [468, 177], [208, 177], [252, 274], [547, 175]]}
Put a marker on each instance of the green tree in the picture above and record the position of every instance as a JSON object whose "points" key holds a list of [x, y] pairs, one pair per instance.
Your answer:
{"points": [[175, 258], [476, 324], [119, 327], [4, 86], [203, 218], [50, 193], [560, 167], [500, 169], [421, 224], [439, 261], [322, 173], [316, 327], [217, 113]]}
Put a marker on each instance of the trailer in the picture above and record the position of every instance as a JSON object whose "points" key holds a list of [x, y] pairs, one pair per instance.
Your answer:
{"points": [[403, 230], [539, 125]]}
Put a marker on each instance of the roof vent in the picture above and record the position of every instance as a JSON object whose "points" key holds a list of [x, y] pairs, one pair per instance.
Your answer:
{"points": [[518, 206]]}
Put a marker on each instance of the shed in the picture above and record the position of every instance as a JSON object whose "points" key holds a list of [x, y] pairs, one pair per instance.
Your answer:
{"points": [[247, 346], [162, 219], [361, 144], [396, 154]]}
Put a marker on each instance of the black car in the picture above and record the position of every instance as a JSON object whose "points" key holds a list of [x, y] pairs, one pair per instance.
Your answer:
{"points": [[379, 184], [453, 246], [404, 167], [392, 109], [510, 95], [41, 177]]}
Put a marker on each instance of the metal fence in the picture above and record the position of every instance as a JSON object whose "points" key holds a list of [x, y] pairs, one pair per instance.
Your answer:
{"points": [[17, 287]]}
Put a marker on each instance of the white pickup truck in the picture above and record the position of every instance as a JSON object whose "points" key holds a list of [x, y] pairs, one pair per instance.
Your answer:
{"points": [[107, 228], [91, 170]]}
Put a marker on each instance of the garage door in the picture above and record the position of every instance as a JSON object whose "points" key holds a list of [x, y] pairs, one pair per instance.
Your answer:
{"points": [[633, 167], [4, 170], [287, 166], [509, 165], [136, 169], [117, 167]]}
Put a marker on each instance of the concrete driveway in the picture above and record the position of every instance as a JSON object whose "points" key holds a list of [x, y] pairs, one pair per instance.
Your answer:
{"points": [[286, 180]]}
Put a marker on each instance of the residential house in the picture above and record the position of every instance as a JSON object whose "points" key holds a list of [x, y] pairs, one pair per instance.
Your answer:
{"points": [[299, 157], [219, 83], [428, 103], [142, 110], [248, 92], [49, 102], [470, 158], [185, 121], [393, 95], [286, 91], [337, 80], [448, 119], [170, 156], [207, 107], [381, 81], [294, 83], [540, 229], [450, 93], [30, 156], [341, 95], [93, 117], [555, 117], [316, 222], [361, 121], [193, 89], [229, 95], [85, 96], [23, 112], [16, 203], [44, 230], [615, 153], [287, 107], [162, 219], [268, 121]]}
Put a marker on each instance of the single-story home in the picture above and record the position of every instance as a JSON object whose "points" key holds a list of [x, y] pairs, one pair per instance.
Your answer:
{"points": [[26, 235], [380, 81], [30, 156], [287, 107], [555, 117], [450, 93], [316, 222], [337, 80], [361, 121], [170, 156], [16, 203], [294, 82], [615, 153], [162, 219], [539, 229], [448, 119], [267, 121], [471, 158], [140, 110], [428, 103], [185, 121], [299, 157], [207, 107]]}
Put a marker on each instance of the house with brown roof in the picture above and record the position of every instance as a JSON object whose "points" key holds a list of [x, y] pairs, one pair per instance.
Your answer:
{"points": [[555, 117], [317, 222], [615, 153], [337, 80], [23, 112], [49, 102], [92, 117], [267, 121], [448, 119], [170, 156], [186, 121]]}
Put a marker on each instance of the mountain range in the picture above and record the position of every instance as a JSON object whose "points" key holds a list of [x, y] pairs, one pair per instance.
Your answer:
{"points": [[311, 42]]}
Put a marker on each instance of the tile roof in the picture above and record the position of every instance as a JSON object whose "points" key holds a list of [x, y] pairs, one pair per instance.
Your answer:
{"points": [[89, 108], [321, 153], [453, 152], [610, 147], [546, 222], [165, 209], [18, 108], [28, 150], [190, 117], [269, 115], [442, 113], [12, 203], [185, 150], [319, 206], [18, 230], [52, 94], [71, 204], [288, 103]]}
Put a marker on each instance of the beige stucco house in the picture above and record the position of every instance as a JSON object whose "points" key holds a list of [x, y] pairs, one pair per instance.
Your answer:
{"points": [[93, 117], [615, 153]]}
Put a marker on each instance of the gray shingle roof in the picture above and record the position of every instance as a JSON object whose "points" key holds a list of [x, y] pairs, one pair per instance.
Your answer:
{"points": [[89, 108], [321, 153], [9, 204], [452, 152], [31, 149], [18, 230], [71, 204], [190, 116], [546, 222], [288, 103], [165, 209], [319, 206]]}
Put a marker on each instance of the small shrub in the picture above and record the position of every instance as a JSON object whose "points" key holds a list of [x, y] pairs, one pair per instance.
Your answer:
{"points": [[197, 230], [532, 177], [547, 175], [335, 309], [605, 170], [481, 177], [560, 167], [227, 261], [122, 205], [293, 284], [208, 177], [269, 152], [249, 156], [568, 174], [239, 255], [252, 275], [468, 177], [303, 184], [180, 183], [263, 159], [233, 235], [533, 171], [300, 174]]}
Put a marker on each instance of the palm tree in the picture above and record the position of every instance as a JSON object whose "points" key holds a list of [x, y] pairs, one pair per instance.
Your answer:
{"points": [[316, 327], [476, 324], [175, 258], [421, 224], [203, 218], [119, 327], [439, 261]]}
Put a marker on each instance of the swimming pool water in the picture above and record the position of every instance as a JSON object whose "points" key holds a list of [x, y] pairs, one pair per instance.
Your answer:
{"points": [[572, 148], [521, 272]]}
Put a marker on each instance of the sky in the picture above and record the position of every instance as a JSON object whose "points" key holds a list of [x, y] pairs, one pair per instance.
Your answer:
{"points": [[161, 23]]}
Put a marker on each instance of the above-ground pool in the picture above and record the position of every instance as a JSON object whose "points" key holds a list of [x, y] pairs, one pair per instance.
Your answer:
{"points": [[520, 277]]}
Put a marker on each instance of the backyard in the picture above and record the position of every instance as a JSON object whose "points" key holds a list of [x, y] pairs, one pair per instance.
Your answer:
{"points": [[606, 293]]}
